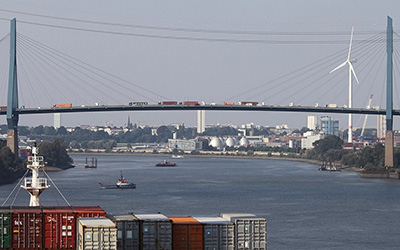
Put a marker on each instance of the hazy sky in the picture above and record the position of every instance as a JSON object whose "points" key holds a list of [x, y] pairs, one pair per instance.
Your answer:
{"points": [[211, 51]]}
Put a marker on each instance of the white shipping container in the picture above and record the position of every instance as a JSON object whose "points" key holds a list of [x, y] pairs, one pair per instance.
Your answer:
{"points": [[155, 231], [96, 233], [128, 232], [219, 233], [250, 231]]}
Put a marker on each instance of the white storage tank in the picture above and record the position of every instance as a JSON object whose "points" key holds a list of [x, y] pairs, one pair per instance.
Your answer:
{"points": [[96, 233], [155, 231], [250, 231], [128, 231], [218, 233]]}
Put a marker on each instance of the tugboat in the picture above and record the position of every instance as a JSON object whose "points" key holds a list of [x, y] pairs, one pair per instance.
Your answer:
{"points": [[121, 183], [166, 163]]}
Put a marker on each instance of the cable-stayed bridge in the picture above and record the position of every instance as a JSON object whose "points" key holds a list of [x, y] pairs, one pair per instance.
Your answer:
{"points": [[80, 80]]}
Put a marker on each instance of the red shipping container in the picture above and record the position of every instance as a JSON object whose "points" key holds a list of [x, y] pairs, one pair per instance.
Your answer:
{"points": [[59, 227], [84, 212], [195, 103], [169, 103], [187, 233], [27, 228]]}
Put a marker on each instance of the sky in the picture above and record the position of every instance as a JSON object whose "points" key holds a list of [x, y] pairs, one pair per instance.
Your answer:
{"points": [[211, 51]]}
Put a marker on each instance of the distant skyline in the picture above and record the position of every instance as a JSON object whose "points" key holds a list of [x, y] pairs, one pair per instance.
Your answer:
{"points": [[195, 50]]}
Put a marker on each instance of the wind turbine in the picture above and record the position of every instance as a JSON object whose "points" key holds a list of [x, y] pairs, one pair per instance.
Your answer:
{"points": [[351, 74]]}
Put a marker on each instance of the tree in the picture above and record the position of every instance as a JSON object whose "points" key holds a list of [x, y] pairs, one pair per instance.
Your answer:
{"points": [[55, 153]]}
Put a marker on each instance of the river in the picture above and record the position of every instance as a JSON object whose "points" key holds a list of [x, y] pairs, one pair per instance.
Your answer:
{"points": [[305, 208]]}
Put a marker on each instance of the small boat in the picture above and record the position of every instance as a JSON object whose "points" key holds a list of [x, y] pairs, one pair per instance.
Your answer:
{"points": [[121, 183], [165, 163], [177, 156]]}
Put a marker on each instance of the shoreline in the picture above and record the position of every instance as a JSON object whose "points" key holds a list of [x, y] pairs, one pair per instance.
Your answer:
{"points": [[311, 161], [259, 157]]}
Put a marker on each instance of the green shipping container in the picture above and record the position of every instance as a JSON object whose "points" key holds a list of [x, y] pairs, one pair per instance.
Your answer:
{"points": [[5, 228]]}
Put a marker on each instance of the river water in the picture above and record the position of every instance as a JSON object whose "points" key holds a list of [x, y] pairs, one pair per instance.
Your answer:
{"points": [[305, 208]]}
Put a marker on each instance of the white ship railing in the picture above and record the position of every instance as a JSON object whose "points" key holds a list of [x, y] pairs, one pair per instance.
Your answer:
{"points": [[41, 181]]}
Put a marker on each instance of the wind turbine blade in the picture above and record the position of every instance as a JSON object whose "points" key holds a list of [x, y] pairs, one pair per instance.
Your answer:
{"points": [[338, 67], [351, 41], [354, 73]]}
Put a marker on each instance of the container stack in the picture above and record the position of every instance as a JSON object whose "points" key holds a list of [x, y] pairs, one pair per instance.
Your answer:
{"points": [[155, 231], [59, 227], [5, 228], [96, 233], [250, 231], [218, 233], [187, 233], [128, 231], [27, 228]]}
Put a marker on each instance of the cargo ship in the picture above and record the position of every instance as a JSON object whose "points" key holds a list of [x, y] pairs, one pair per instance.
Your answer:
{"points": [[121, 183], [166, 163], [89, 227]]}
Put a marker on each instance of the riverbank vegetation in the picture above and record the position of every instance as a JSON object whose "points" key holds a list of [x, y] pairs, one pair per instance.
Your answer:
{"points": [[11, 167], [330, 151], [55, 153]]}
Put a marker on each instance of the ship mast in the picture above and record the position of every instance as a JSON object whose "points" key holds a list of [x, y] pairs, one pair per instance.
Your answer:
{"points": [[35, 185]]}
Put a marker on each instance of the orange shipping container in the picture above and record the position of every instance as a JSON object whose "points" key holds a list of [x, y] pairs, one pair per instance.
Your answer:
{"points": [[64, 105], [187, 233], [229, 103]]}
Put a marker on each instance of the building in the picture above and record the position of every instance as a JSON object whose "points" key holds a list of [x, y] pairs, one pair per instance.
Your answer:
{"points": [[309, 139], [201, 121], [329, 126], [185, 145], [312, 122], [57, 120]]}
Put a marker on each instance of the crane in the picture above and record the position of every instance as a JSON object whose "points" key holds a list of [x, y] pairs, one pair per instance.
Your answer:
{"points": [[366, 116]]}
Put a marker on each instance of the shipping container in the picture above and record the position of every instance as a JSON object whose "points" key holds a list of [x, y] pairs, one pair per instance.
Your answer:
{"points": [[92, 211], [27, 228], [250, 231], [229, 103], [187, 233], [3, 107], [155, 232], [5, 227], [248, 103], [218, 233], [192, 103], [138, 103], [128, 231], [59, 227], [96, 233], [169, 103], [62, 105]]}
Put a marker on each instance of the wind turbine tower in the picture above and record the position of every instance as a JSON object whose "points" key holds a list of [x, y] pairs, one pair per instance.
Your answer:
{"points": [[351, 74]]}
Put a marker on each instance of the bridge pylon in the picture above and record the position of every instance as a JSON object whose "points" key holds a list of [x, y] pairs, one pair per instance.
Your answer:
{"points": [[389, 139], [12, 97]]}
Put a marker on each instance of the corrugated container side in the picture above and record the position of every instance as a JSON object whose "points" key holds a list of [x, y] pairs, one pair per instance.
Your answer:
{"points": [[59, 227], [128, 231], [218, 233], [187, 234], [5, 228], [169, 103], [251, 233], [96, 233], [88, 211], [155, 232], [27, 228]]}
